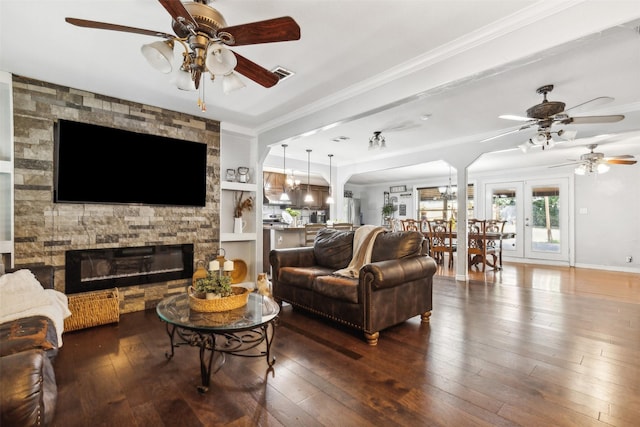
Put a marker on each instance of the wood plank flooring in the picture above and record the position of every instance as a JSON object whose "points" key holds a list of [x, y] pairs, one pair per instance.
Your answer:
{"points": [[529, 345]]}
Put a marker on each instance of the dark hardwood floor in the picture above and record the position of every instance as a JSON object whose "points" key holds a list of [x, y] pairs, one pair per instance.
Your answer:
{"points": [[530, 345]]}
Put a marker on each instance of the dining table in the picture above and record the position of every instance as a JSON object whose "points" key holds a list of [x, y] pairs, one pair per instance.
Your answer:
{"points": [[492, 236]]}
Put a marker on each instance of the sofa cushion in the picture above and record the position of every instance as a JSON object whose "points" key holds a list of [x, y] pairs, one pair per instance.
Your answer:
{"points": [[301, 277], [333, 248], [396, 244], [337, 287]]}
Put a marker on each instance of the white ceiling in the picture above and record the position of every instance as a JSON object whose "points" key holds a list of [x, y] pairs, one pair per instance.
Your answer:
{"points": [[367, 65]]}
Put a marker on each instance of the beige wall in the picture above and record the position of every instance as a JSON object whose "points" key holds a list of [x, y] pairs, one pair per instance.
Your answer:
{"points": [[45, 230]]}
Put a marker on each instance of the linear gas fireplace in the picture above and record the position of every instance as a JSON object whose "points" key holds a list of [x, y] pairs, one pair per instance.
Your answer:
{"points": [[94, 269]]}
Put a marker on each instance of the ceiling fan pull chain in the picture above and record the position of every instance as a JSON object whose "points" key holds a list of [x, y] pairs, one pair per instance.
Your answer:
{"points": [[201, 102]]}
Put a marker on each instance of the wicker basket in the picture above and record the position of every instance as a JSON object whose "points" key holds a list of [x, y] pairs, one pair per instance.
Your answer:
{"points": [[239, 299], [92, 309]]}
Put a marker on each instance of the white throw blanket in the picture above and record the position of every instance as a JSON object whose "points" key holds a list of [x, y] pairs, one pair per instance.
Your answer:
{"points": [[363, 240]]}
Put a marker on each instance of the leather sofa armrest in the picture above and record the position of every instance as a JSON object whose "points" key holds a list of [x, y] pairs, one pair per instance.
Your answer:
{"points": [[44, 273], [298, 257], [390, 273]]}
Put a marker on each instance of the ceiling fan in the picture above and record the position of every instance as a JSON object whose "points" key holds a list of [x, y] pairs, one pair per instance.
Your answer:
{"points": [[204, 35], [593, 162], [548, 113]]}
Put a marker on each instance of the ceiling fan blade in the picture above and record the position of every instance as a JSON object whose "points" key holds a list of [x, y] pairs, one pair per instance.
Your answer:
{"points": [[255, 72], [179, 13], [516, 118], [114, 27], [619, 161], [565, 164], [593, 119], [507, 133], [592, 103], [271, 30]]}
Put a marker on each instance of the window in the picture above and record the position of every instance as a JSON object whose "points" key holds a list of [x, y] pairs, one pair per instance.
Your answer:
{"points": [[431, 204]]}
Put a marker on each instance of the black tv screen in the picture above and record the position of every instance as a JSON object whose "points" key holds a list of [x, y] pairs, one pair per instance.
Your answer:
{"points": [[97, 164]]}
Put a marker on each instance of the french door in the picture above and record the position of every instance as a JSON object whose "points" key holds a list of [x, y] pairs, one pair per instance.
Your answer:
{"points": [[537, 211]]}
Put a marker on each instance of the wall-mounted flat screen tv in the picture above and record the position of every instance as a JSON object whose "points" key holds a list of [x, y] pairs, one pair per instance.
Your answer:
{"points": [[98, 164]]}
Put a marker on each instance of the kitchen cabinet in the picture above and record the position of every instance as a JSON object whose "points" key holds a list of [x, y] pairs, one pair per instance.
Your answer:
{"points": [[274, 183]]}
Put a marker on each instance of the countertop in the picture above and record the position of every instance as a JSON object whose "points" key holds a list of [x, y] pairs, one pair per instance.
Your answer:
{"points": [[281, 227]]}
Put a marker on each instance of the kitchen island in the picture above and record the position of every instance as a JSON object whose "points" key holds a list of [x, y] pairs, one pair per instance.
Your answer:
{"points": [[279, 236]]}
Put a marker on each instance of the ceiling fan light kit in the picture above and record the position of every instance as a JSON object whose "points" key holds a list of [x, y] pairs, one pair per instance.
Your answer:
{"points": [[597, 163], [203, 34]]}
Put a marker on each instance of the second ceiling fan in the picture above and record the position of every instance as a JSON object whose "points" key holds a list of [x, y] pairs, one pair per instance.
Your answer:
{"points": [[549, 113]]}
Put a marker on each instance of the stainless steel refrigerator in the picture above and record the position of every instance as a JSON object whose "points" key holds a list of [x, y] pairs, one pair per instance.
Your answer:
{"points": [[352, 211]]}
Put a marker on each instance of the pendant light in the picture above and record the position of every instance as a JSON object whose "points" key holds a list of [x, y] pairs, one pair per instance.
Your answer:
{"points": [[330, 198], [284, 197], [308, 198]]}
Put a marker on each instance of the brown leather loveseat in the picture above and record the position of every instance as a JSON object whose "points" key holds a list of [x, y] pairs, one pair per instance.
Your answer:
{"points": [[28, 346], [395, 286]]}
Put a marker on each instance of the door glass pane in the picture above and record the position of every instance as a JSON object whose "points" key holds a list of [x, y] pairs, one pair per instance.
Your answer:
{"points": [[504, 208], [545, 219]]}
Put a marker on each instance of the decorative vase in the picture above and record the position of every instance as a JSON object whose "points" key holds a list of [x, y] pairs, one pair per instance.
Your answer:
{"points": [[238, 225]]}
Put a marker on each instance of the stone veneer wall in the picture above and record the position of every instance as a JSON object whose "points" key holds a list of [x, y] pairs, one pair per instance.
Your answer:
{"points": [[45, 230]]}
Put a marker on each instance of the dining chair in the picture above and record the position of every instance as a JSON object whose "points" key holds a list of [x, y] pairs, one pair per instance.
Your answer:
{"points": [[310, 231], [494, 245], [479, 246], [441, 240], [410, 225], [342, 226], [475, 241], [396, 225]]}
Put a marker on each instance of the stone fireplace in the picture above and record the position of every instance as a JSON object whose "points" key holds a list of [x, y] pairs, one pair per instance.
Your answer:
{"points": [[44, 231], [95, 269]]}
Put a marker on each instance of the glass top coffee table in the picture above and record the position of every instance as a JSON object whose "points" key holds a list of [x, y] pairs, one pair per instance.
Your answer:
{"points": [[240, 332]]}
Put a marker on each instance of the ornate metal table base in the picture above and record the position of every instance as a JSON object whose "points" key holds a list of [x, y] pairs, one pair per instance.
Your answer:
{"points": [[238, 343]]}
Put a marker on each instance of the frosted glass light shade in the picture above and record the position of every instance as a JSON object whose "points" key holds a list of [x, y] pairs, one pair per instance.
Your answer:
{"points": [[220, 61], [231, 82], [159, 55], [184, 81]]}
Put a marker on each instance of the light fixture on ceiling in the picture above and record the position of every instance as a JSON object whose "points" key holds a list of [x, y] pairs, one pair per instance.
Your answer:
{"points": [[330, 197], [203, 52], [308, 198], [206, 55], [284, 197], [448, 192], [203, 33], [544, 139], [592, 167], [377, 141]]}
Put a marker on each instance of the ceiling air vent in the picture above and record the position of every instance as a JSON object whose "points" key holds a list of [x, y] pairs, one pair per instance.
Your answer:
{"points": [[282, 72]]}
